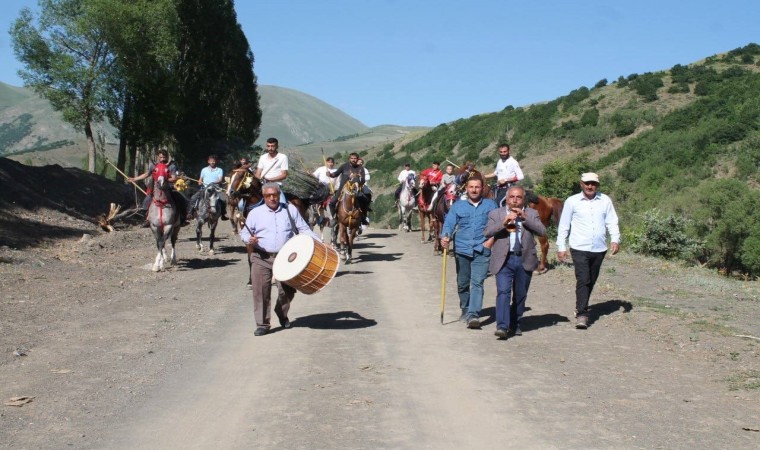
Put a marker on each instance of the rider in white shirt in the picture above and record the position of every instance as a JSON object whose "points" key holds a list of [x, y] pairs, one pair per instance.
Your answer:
{"points": [[507, 173], [273, 166], [402, 179]]}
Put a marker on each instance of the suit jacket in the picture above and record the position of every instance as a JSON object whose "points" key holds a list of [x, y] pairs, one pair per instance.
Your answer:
{"points": [[530, 226]]}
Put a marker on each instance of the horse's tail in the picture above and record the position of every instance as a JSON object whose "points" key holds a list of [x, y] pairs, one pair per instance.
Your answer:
{"points": [[556, 210]]}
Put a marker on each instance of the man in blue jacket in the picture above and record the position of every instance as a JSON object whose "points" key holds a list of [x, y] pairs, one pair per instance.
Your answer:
{"points": [[469, 218]]}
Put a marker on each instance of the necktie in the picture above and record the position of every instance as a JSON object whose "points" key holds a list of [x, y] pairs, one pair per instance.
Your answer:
{"points": [[516, 247]]}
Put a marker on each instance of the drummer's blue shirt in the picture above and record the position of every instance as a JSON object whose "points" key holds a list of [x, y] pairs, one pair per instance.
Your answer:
{"points": [[273, 227], [471, 220]]}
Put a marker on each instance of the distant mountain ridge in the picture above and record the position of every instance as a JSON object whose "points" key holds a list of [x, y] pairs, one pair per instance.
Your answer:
{"points": [[296, 118], [31, 131]]}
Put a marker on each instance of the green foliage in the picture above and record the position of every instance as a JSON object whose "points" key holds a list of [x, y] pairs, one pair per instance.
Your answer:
{"points": [[590, 118], [727, 216], [601, 83], [560, 178], [646, 85], [591, 135], [665, 236]]}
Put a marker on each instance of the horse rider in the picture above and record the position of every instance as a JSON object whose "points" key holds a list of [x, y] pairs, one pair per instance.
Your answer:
{"points": [[273, 166], [434, 177], [507, 173], [321, 173], [448, 177], [266, 230], [402, 179], [350, 170], [209, 174], [367, 192], [170, 172]]}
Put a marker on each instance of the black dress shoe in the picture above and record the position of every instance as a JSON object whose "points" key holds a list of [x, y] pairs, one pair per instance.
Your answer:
{"points": [[260, 331]]}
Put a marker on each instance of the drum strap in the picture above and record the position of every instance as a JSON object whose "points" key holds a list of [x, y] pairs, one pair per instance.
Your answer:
{"points": [[292, 222]]}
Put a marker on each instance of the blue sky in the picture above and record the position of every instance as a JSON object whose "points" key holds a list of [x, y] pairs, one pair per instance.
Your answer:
{"points": [[425, 62]]}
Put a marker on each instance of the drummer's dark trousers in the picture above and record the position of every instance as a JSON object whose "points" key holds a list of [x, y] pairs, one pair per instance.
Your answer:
{"points": [[261, 286]]}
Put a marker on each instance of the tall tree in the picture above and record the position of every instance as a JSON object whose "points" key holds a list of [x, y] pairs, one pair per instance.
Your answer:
{"points": [[216, 87], [67, 61]]}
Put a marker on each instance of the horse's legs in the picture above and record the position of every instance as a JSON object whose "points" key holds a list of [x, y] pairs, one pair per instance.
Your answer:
{"points": [[198, 234], [212, 231], [232, 206], [158, 264], [422, 224], [175, 235], [544, 242]]}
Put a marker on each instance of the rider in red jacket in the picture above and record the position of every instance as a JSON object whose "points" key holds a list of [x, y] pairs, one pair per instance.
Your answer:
{"points": [[434, 176]]}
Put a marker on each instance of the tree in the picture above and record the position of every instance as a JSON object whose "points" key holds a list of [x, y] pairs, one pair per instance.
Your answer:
{"points": [[67, 61], [218, 104]]}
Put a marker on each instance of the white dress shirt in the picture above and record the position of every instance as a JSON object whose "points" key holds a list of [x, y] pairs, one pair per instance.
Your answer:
{"points": [[587, 222]]}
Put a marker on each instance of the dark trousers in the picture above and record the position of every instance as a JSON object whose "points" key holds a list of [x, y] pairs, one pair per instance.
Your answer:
{"points": [[587, 266], [261, 287], [511, 275]]}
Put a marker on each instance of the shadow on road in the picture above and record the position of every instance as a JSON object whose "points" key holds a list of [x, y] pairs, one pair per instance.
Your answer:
{"points": [[198, 263], [379, 257], [341, 320], [378, 235], [597, 310], [530, 323], [352, 272]]}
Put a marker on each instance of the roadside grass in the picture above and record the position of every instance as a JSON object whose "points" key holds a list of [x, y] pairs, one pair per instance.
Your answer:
{"points": [[745, 380], [705, 326], [650, 304]]}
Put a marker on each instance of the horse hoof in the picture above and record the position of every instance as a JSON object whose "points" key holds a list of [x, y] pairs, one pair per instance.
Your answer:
{"points": [[211, 253], [542, 271]]}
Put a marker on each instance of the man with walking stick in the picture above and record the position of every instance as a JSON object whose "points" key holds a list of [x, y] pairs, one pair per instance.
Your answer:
{"points": [[471, 256]]}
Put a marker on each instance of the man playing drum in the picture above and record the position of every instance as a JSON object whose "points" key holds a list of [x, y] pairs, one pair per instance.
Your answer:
{"points": [[266, 230]]}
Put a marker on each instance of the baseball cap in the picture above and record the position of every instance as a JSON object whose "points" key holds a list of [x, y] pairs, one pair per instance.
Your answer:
{"points": [[588, 177]]}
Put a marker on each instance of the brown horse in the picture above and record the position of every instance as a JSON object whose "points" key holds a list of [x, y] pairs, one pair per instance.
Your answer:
{"points": [[468, 171], [244, 186], [446, 198], [349, 219], [424, 197], [549, 209]]}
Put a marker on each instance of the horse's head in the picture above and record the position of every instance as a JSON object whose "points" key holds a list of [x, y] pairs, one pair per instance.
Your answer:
{"points": [[450, 192], [411, 179]]}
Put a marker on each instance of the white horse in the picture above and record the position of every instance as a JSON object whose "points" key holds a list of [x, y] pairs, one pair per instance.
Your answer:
{"points": [[406, 203], [209, 211], [164, 222]]}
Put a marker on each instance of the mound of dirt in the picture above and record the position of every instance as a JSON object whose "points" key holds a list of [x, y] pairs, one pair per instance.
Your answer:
{"points": [[51, 202]]}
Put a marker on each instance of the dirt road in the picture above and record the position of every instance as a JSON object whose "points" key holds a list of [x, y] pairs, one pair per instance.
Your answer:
{"points": [[368, 365]]}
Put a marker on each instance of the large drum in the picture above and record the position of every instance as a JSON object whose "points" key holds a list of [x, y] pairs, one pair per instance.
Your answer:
{"points": [[305, 264]]}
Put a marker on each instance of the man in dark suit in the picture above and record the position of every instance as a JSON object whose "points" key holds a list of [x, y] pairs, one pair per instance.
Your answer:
{"points": [[513, 258]]}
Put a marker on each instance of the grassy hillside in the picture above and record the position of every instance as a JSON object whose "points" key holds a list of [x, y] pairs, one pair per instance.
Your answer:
{"points": [[296, 118], [31, 132], [678, 150]]}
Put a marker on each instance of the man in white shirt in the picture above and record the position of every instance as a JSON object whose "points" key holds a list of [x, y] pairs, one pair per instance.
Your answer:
{"points": [[402, 178], [273, 166], [507, 173], [587, 217], [321, 173]]}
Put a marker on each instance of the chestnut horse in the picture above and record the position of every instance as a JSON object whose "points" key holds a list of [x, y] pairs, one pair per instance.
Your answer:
{"points": [[549, 210], [349, 219], [424, 197], [446, 198], [245, 191]]}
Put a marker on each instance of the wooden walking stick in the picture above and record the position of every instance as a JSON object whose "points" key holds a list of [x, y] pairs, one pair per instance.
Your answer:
{"points": [[443, 281], [125, 176]]}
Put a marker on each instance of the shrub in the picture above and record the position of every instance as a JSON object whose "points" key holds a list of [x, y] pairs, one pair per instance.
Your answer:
{"points": [[665, 236], [601, 83]]}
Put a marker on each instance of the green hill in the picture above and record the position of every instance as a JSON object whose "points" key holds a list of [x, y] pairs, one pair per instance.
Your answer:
{"points": [[30, 131], [678, 150]]}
